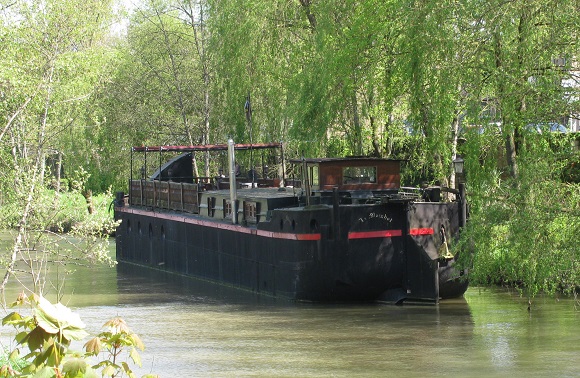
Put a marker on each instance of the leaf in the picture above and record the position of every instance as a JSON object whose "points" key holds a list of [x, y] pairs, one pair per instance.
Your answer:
{"points": [[101, 364], [127, 369], [137, 341], [54, 318], [74, 333], [36, 338], [20, 337], [46, 321], [45, 372], [117, 325], [111, 340], [51, 356], [14, 355], [74, 365], [135, 356], [90, 373], [22, 299], [29, 369], [109, 371], [12, 318], [68, 317], [93, 346]]}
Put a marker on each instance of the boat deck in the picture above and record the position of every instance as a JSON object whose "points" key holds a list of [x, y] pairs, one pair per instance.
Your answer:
{"points": [[258, 193]]}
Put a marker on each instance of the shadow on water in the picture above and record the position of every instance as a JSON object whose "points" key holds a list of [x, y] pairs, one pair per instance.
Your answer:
{"points": [[222, 331], [136, 284], [228, 332]]}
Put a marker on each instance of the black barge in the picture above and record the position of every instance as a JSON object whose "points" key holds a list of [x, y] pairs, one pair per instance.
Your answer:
{"points": [[346, 231]]}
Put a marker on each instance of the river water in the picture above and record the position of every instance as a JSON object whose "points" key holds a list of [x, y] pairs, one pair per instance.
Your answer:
{"points": [[193, 328]]}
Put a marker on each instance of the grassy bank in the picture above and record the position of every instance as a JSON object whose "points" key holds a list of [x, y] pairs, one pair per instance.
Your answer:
{"points": [[64, 212]]}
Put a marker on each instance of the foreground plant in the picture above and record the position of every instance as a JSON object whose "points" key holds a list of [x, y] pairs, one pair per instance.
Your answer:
{"points": [[48, 332], [113, 341]]}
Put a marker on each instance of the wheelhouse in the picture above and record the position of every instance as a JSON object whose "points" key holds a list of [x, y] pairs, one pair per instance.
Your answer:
{"points": [[352, 174]]}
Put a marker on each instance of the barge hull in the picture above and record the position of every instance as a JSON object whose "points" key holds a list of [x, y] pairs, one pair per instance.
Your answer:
{"points": [[386, 257]]}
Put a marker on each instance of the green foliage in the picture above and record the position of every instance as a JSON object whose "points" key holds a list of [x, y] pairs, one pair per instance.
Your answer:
{"points": [[10, 363], [85, 242], [52, 60], [48, 332], [337, 147], [524, 233], [64, 213], [113, 341]]}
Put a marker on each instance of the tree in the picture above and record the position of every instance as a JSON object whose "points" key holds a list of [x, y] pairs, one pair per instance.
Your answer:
{"points": [[259, 47], [527, 49], [161, 90], [523, 214], [49, 44]]}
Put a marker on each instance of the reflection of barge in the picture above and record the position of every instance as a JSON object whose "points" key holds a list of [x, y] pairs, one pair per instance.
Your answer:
{"points": [[345, 232]]}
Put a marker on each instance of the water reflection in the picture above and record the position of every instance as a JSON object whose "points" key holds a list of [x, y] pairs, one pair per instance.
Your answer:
{"points": [[216, 330], [539, 343], [193, 328]]}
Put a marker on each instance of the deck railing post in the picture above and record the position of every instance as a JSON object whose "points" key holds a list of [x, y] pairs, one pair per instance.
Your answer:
{"points": [[154, 195], [233, 194], [141, 190], [181, 198]]}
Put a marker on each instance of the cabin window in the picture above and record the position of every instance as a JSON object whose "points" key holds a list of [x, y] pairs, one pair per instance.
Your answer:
{"points": [[210, 206], [227, 209], [314, 175], [359, 175], [250, 212]]}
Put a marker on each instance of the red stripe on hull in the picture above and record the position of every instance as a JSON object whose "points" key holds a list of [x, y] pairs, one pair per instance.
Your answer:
{"points": [[421, 231], [225, 226], [389, 233], [374, 234], [288, 236]]}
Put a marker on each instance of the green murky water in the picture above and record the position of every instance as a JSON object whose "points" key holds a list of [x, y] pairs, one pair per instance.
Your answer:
{"points": [[196, 329]]}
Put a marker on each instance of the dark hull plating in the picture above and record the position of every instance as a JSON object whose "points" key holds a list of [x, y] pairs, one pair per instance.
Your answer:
{"points": [[387, 252]]}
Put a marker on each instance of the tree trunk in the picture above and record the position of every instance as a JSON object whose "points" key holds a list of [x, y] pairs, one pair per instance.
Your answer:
{"points": [[311, 18], [511, 154], [455, 133], [88, 194], [57, 173], [36, 179], [357, 126]]}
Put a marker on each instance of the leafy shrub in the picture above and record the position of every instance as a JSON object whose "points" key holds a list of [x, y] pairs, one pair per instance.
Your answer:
{"points": [[48, 332]]}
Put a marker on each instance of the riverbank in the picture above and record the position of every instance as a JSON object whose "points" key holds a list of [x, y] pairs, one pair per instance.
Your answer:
{"points": [[64, 212]]}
